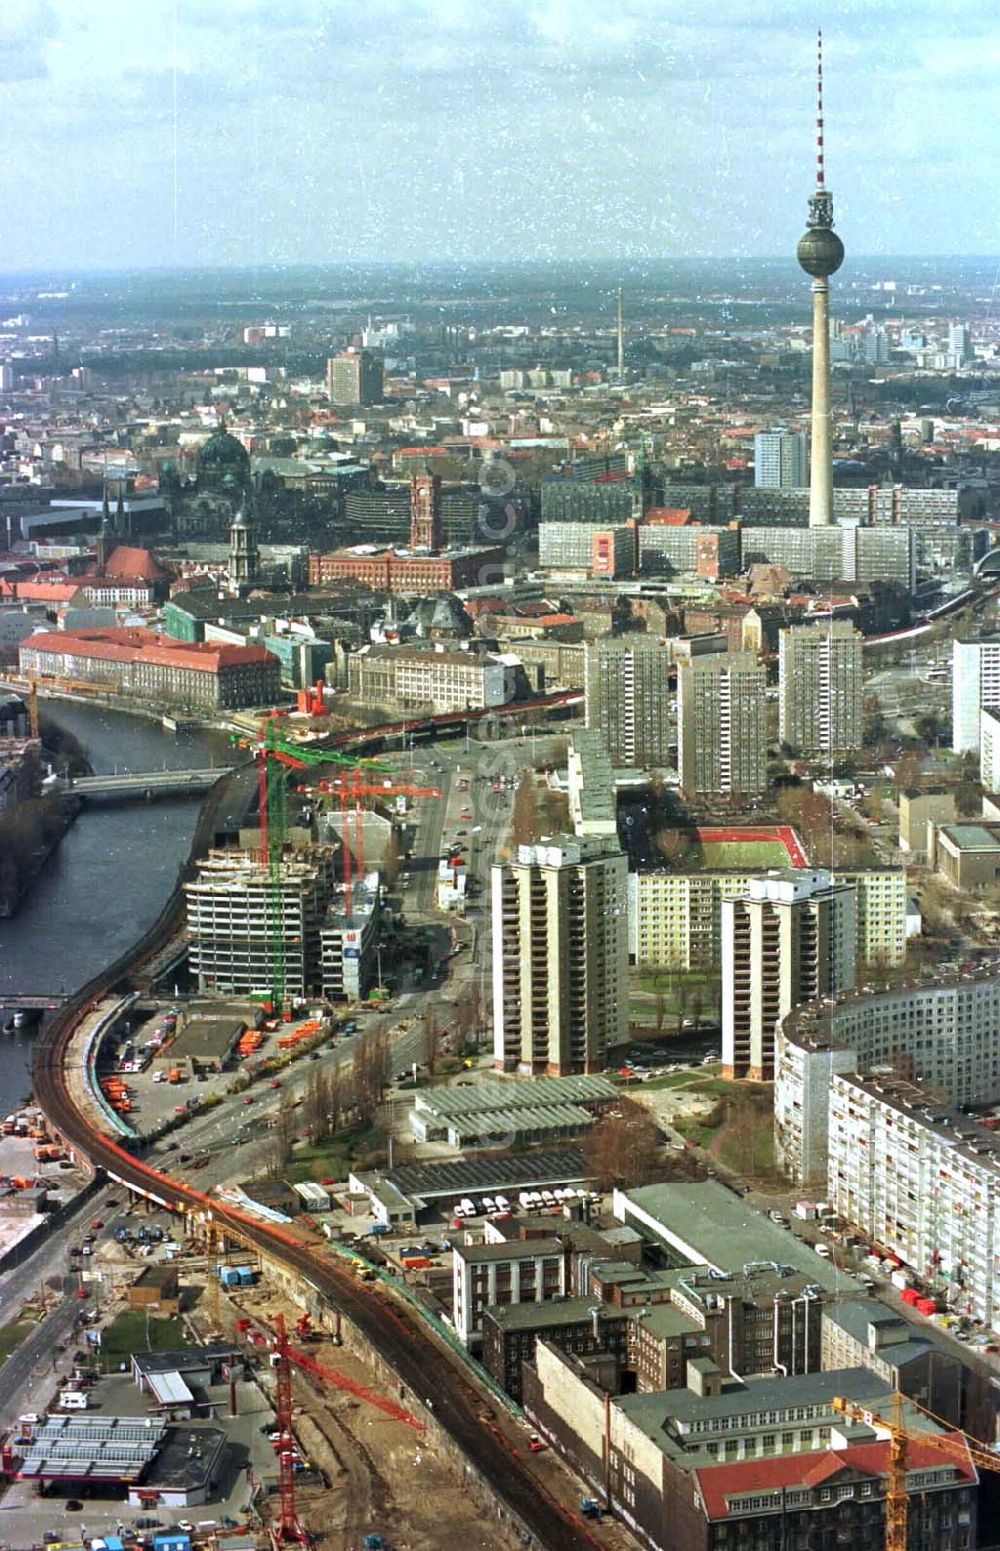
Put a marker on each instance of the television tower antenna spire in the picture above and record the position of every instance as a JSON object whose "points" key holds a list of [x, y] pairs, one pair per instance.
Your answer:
{"points": [[820, 177]]}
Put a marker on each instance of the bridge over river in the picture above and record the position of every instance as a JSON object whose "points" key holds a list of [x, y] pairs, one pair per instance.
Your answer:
{"points": [[144, 786]]}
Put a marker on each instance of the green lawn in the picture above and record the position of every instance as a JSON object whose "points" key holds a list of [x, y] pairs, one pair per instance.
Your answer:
{"points": [[693, 1082], [12, 1334], [753, 854], [333, 1159], [132, 1332], [330, 1161], [749, 1149]]}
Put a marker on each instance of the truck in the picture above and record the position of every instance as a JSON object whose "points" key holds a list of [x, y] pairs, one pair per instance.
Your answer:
{"points": [[72, 1400]]}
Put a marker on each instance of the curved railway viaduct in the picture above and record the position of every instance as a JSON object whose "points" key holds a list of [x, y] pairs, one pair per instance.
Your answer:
{"points": [[469, 1417]]}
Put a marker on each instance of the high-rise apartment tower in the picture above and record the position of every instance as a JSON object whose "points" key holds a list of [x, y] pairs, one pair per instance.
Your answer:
{"points": [[628, 695], [780, 460], [789, 938], [820, 689], [560, 956], [721, 738], [354, 377]]}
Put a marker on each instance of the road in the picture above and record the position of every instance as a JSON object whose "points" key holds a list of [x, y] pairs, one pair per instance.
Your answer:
{"points": [[33, 1360]]}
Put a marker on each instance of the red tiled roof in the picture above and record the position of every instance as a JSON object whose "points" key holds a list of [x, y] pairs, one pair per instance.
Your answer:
{"points": [[719, 1482], [548, 621], [47, 592], [126, 563], [129, 643], [668, 516]]}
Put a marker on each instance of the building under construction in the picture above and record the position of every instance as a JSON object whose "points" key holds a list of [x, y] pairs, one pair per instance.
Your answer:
{"points": [[240, 914], [349, 942]]}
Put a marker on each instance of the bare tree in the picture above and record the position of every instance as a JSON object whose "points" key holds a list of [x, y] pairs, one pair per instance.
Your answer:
{"points": [[673, 845], [524, 816], [430, 1041], [279, 1151], [390, 859], [623, 1148], [316, 1108]]}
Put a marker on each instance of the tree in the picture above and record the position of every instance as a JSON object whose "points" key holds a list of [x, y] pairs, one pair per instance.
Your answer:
{"points": [[909, 768], [623, 1148], [390, 858], [283, 1135], [430, 1041], [874, 727], [673, 845], [661, 1011], [468, 1016], [524, 816], [968, 798], [316, 1107]]}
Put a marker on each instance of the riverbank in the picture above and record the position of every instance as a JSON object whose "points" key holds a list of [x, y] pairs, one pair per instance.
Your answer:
{"points": [[29, 835]]}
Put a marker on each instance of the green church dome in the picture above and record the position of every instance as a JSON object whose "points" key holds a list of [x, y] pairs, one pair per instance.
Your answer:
{"points": [[223, 451]]}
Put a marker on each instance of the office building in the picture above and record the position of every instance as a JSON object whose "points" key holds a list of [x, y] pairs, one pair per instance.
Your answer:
{"points": [[975, 686], [402, 571], [234, 916], [354, 377], [919, 812], [820, 689], [628, 691], [429, 676], [912, 1359], [141, 665], [560, 956], [721, 738], [687, 549], [349, 943], [830, 554], [780, 460], [517, 1272], [590, 786], [959, 350], [790, 938], [772, 1465]]}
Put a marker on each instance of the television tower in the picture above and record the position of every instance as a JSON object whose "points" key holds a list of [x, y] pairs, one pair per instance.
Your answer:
{"points": [[621, 340], [821, 253]]}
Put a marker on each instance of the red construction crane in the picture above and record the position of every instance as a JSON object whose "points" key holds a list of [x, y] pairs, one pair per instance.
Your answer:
{"points": [[289, 1530], [350, 789]]}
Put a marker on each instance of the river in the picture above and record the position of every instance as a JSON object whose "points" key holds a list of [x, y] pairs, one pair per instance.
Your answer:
{"points": [[110, 876]]}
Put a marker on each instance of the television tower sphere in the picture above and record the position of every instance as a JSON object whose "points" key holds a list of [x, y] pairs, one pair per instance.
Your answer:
{"points": [[820, 252]]}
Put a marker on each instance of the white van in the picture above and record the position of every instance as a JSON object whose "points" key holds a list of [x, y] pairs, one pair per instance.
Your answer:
{"points": [[72, 1400]]}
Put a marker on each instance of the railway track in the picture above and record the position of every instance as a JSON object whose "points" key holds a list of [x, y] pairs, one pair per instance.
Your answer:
{"points": [[392, 1329]]}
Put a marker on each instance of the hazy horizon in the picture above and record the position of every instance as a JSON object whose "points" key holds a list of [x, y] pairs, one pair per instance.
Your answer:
{"points": [[180, 135]]}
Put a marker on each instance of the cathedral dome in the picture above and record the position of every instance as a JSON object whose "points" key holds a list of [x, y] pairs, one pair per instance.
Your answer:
{"points": [[222, 453]]}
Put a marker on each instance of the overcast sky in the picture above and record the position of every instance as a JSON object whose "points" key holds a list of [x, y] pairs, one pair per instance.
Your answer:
{"points": [[183, 132]]}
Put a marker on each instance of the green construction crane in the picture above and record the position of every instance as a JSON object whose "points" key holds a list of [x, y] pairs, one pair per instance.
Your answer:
{"points": [[275, 756]]}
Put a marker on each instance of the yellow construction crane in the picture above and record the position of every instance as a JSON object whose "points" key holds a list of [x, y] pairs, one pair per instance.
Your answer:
{"points": [[954, 1445]]}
